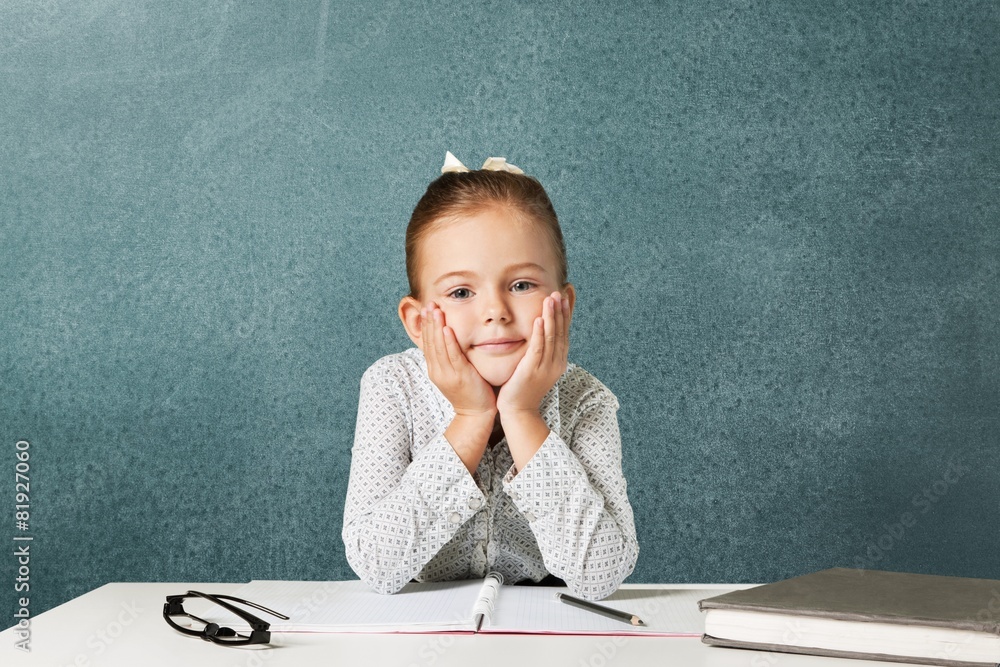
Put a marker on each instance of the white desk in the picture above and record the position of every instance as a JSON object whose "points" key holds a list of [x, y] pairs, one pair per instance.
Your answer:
{"points": [[122, 624]]}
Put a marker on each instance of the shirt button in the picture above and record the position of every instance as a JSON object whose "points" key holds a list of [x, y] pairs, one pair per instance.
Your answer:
{"points": [[529, 516], [475, 503], [455, 517]]}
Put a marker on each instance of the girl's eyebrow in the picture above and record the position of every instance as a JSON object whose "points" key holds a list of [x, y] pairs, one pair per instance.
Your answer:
{"points": [[510, 269], [453, 274], [525, 265]]}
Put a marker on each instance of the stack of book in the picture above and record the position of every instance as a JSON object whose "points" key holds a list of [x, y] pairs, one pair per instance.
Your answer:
{"points": [[915, 618]]}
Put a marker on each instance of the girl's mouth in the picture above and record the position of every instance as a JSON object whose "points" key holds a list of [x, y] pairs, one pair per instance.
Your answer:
{"points": [[499, 345]]}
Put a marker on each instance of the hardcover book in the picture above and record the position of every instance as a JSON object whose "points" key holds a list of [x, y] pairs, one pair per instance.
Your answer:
{"points": [[916, 618]]}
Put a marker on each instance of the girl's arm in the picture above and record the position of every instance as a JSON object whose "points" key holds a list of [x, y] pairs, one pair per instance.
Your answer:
{"points": [[573, 493], [400, 510]]}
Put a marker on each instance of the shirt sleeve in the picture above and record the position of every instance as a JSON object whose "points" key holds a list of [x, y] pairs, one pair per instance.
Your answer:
{"points": [[401, 508], [574, 497]]}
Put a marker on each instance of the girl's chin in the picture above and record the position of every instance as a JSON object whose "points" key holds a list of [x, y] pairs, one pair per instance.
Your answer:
{"points": [[496, 374]]}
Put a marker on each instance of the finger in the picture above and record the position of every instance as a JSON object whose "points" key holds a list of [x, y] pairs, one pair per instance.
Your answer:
{"points": [[563, 334], [440, 346], [559, 319], [436, 351], [536, 345], [549, 320], [444, 336], [427, 333], [567, 315], [452, 348]]}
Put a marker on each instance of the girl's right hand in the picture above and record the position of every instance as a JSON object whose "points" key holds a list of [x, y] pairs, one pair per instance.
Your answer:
{"points": [[450, 370]]}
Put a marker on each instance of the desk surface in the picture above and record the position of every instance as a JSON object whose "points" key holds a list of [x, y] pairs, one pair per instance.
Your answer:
{"points": [[121, 624]]}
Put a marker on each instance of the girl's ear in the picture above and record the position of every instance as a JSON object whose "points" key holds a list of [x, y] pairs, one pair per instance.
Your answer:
{"points": [[570, 293], [409, 315]]}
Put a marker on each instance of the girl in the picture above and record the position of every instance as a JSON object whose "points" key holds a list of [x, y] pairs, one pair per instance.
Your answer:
{"points": [[482, 449]]}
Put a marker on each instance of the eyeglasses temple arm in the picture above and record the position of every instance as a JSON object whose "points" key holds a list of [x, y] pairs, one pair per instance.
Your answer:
{"points": [[249, 604]]}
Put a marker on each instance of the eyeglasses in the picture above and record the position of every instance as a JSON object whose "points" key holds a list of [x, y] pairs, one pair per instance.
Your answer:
{"points": [[213, 632]]}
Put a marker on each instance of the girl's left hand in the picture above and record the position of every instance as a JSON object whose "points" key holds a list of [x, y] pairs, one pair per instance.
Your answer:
{"points": [[544, 362]]}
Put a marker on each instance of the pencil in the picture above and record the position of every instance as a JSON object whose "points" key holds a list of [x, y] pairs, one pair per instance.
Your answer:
{"points": [[600, 609]]}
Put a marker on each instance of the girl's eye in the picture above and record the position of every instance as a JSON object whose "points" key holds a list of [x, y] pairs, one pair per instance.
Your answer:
{"points": [[460, 293], [522, 286]]}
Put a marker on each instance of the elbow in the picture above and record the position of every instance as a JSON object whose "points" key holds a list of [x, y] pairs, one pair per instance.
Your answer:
{"points": [[381, 575], [383, 586], [600, 579], [594, 590]]}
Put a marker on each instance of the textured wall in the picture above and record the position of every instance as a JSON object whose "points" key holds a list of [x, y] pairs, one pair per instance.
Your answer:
{"points": [[782, 219]]}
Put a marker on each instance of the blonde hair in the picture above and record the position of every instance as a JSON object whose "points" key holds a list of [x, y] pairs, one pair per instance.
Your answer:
{"points": [[467, 193]]}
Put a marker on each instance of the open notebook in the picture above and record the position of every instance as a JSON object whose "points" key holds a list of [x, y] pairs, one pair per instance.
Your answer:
{"points": [[351, 606]]}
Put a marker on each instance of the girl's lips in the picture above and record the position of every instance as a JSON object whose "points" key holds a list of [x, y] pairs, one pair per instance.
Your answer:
{"points": [[499, 347]]}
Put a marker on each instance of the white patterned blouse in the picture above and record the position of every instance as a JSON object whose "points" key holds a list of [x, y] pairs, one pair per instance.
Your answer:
{"points": [[413, 511]]}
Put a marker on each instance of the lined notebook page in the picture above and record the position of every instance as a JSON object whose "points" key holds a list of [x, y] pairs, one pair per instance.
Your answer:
{"points": [[531, 609], [351, 606]]}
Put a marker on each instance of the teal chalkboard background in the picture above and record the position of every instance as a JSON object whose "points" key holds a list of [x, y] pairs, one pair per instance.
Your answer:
{"points": [[783, 220]]}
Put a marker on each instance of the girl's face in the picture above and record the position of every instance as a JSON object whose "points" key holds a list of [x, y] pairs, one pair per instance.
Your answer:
{"points": [[489, 273]]}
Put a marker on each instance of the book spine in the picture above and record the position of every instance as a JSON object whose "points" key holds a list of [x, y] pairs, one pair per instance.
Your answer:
{"points": [[833, 653]]}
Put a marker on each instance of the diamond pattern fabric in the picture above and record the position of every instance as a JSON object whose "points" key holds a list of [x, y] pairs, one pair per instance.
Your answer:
{"points": [[413, 511]]}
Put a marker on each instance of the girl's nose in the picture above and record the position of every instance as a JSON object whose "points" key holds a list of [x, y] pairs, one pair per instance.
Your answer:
{"points": [[496, 309]]}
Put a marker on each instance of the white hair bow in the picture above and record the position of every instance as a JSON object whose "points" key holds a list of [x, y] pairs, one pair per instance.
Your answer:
{"points": [[451, 164]]}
